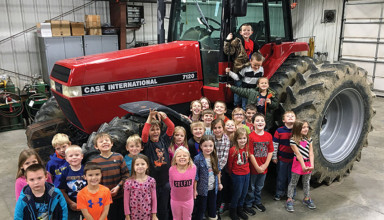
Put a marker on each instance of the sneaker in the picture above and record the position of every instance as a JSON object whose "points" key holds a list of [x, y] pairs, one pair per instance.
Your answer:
{"points": [[249, 211], [289, 206], [277, 198], [260, 207], [241, 214], [309, 203]]}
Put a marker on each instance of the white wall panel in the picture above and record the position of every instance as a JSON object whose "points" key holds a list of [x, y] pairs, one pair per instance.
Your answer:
{"points": [[21, 53], [307, 21]]}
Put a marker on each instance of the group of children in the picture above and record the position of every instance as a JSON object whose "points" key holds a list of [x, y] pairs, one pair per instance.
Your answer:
{"points": [[224, 163]]}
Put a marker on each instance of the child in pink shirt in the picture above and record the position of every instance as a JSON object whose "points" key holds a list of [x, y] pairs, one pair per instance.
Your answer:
{"points": [[181, 179]]}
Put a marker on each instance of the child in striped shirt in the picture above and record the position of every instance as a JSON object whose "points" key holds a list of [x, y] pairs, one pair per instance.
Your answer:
{"points": [[114, 173]]}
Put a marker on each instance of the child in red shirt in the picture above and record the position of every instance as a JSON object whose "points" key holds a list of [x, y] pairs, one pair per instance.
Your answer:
{"points": [[261, 150], [238, 166]]}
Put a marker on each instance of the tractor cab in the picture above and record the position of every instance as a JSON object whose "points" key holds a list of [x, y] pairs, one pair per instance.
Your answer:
{"points": [[210, 21]]}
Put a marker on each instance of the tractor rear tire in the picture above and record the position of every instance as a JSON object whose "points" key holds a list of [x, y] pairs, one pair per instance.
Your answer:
{"points": [[336, 100], [119, 129]]}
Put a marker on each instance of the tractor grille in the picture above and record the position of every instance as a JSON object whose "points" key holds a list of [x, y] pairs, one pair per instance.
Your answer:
{"points": [[61, 73], [68, 110]]}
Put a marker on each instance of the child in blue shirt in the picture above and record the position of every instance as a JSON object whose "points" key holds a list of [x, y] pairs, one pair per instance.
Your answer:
{"points": [[72, 180], [57, 163], [134, 147]]}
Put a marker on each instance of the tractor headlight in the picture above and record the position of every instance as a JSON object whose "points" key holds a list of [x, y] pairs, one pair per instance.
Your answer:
{"points": [[73, 91], [53, 85]]}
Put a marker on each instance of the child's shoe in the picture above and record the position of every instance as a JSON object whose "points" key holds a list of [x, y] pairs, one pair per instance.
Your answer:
{"points": [[309, 203], [260, 207], [249, 211], [233, 214], [289, 206], [277, 198], [241, 213]]}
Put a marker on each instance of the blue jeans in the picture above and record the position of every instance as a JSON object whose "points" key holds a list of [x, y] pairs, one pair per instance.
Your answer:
{"points": [[240, 188], [283, 177], [202, 203], [254, 191]]}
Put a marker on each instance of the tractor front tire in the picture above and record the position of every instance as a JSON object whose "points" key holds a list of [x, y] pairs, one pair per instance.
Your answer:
{"points": [[48, 111], [336, 100]]}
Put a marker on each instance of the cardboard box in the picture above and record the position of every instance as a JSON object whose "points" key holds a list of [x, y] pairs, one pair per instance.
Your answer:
{"points": [[92, 24], [60, 28], [77, 28], [44, 29], [92, 21]]}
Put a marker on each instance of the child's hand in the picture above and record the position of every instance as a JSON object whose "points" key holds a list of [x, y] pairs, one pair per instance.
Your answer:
{"points": [[161, 116], [73, 207], [127, 217], [220, 186], [268, 101], [228, 85], [154, 217], [115, 190], [227, 70], [305, 169], [230, 36], [195, 194], [152, 114], [274, 161], [259, 169]]}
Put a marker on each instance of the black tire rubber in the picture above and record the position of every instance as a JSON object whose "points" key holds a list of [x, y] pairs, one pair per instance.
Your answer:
{"points": [[49, 110], [310, 90], [119, 129]]}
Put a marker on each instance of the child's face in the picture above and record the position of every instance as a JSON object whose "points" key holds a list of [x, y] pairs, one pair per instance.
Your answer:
{"points": [[198, 131], [220, 109], [208, 118], [196, 108], [93, 177], [242, 141], [29, 161], [305, 129], [238, 117], [289, 118], [36, 180], [154, 133], [60, 149], [259, 123], [246, 31], [263, 84], [204, 103], [255, 65], [249, 114], [207, 147], [230, 126], [134, 148], [182, 158], [140, 166], [74, 157], [104, 144], [218, 130], [179, 137]]}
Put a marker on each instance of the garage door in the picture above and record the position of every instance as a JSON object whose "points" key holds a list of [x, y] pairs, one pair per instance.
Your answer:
{"points": [[362, 39]]}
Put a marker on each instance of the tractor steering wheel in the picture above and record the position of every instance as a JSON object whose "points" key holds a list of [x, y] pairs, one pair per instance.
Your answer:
{"points": [[208, 25]]}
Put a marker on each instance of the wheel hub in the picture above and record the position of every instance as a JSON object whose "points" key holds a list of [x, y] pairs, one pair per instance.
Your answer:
{"points": [[342, 124]]}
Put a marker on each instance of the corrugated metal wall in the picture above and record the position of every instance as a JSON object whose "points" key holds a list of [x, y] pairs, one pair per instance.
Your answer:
{"points": [[307, 21], [19, 49]]}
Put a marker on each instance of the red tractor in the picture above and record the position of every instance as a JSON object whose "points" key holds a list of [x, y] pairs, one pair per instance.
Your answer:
{"points": [[335, 98]]}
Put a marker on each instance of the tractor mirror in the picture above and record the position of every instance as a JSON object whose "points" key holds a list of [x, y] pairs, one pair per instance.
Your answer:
{"points": [[239, 8]]}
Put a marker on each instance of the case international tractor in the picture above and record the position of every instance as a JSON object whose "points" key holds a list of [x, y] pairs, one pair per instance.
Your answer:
{"points": [[335, 98]]}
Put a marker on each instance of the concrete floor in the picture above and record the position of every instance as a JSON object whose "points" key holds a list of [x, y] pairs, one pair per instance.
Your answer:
{"points": [[358, 196]]}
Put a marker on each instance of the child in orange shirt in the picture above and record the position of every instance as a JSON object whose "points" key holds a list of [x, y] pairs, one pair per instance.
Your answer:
{"points": [[94, 199]]}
